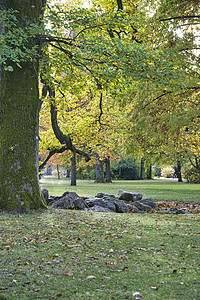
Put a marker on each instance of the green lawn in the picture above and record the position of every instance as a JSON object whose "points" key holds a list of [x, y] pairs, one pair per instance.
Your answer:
{"points": [[169, 190], [62, 254]]}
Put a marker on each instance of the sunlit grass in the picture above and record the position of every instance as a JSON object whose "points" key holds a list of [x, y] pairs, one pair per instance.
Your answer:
{"points": [[168, 190]]}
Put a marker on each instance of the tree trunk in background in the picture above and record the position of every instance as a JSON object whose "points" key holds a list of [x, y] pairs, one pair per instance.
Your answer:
{"points": [[99, 169], [149, 172], [73, 170], [58, 171], [19, 111], [142, 169], [179, 171], [107, 171]]}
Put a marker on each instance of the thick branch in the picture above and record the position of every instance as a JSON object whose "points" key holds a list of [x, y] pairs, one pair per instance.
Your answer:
{"points": [[119, 4], [100, 107], [196, 164], [63, 138], [180, 18], [52, 152]]}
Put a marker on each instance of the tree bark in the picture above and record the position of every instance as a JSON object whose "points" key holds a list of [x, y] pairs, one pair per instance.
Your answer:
{"points": [[107, 170], [149, 173], [99, 169], [142, 169], [58, 172], [73, 170], [19, 105], [179, 171]]}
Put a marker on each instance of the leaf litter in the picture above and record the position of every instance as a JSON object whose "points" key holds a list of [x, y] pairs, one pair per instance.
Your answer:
{"points": [[74, 253]]}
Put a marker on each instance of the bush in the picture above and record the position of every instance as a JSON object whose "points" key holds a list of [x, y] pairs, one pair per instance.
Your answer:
{"points": [[192, 175], [125, 169], [157, 171], [167, 172]]}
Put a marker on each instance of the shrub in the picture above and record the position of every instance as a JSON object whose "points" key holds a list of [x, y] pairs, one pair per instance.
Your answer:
{"points": [[157, 171], [192, 175], [167, 172], [125, 169]]}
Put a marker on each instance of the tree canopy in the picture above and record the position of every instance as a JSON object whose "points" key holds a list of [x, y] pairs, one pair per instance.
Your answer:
{"points": [[114, 61]]}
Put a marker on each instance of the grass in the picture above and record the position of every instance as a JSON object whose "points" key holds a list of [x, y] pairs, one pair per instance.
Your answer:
{"points": [[62, 254], [168, 190]]}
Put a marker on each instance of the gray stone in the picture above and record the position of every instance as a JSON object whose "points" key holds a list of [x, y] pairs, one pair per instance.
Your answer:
{"points": [[173, 211], [141, 206], [104, 195], [68, 203], [129, 196], [45, 194], [99, 209], [100, 202], [72, 195], [149, 202], [121, 206], [137, 211]]}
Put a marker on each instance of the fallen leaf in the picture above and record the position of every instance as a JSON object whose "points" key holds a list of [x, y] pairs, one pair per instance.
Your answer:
{"points": [[67, 273], [91, 277], [137, 295]]}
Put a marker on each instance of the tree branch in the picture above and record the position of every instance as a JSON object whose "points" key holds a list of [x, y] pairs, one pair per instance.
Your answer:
{"points": [[179, 18], [100, 106], [119, 4], [52, 152], [62, 138]]}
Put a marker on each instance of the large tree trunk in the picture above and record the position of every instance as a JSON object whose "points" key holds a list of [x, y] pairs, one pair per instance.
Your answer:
{"points": [[19, 105], [99, 169]]}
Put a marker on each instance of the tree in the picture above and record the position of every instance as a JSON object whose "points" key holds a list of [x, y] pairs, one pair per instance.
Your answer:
{"points": [[19, 111], [107, 170], [73, 169], [166, 121], [99, 170], [102, 48]]}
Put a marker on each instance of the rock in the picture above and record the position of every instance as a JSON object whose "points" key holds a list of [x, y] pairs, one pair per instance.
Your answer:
{"points": [[100, 202], [45, 195], [113, 204], [121, 206], [141, 206], [105, 202], [137, 211], [68, 200], [104, 195], [99, 209], [72, 195], [128, 196], [133, 209], [149, 202], [173, 211]]}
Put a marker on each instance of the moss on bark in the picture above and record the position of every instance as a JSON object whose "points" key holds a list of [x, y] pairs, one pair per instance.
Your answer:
{"points": [[18, 161], [19, 102]]}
